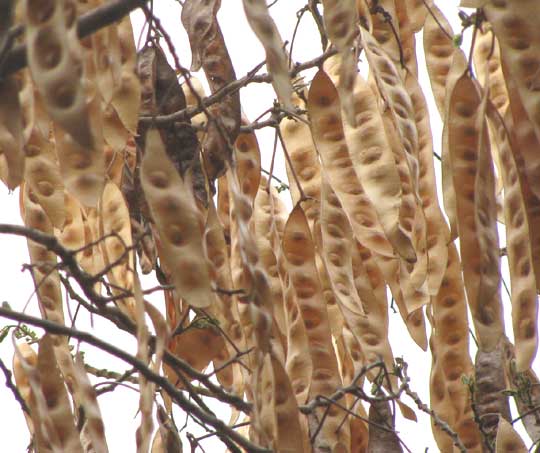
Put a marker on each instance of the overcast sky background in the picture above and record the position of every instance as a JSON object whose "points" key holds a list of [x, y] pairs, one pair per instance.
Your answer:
{"points": [[119, 409]]}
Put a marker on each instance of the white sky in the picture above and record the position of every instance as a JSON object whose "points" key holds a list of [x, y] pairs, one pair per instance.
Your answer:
{"points": [[120, 407]]}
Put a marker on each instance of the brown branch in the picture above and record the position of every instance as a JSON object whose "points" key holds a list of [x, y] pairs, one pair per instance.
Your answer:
{"points": [[225, 433], [87, 24]]}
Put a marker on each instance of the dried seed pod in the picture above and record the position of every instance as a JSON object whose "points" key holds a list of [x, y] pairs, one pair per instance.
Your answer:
{"points": [[385, 27], [325, 113], [305, 163], [440, 52], [508, 440], [474, 185], [437, 234], [115, 226], [54, 392], [43, 177], [82, 167], [337, 243], [299, 253], [11, 133], [178, 222], [266, 31], [374, 161], [87, 398], [262, 222], [25, 367], [127, 93], [519, 40], [392, 89], [209, 51], [54, 59], [340, 19]]}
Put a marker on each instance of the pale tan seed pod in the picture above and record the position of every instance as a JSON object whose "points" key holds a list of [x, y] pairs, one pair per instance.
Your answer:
{"points": [[520, 254], [525, 141], [22, 382], [487, 60], [106, 54], [58, 405], [43, 176], [508, 440], [25, 367], [340, 19], [12, 157], [439, 51], [299, 253], [290, 433], [116, 248], [178, 221], [326, 127], [451, 360], [115, 134], [373, 159], [437, 233], [473, 183], [407, 30], [86, 395], [392, 89], [265, 29], [336, 245], [127, 92], [417, 11], [82, 167], [372, 330], [382, 30], [262, 223], [305, 164], [247, 157], [456, 70], [54, 59], [516, 29]]}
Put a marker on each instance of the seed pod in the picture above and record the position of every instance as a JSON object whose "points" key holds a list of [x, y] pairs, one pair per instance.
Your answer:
{"points": [[11, 133], [54, 59], [115, 226], [305, 164], [82, 167], [266, 31], [517, 32], [384, 21], [300, 257], [340, 18], [54, 392], [178, 221], [392, 89], [374, 160], [508, 440], [262, 222], [473, 183], [325, 113], [440, 53], [437, 234], [209, 51], [87, 397]]}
